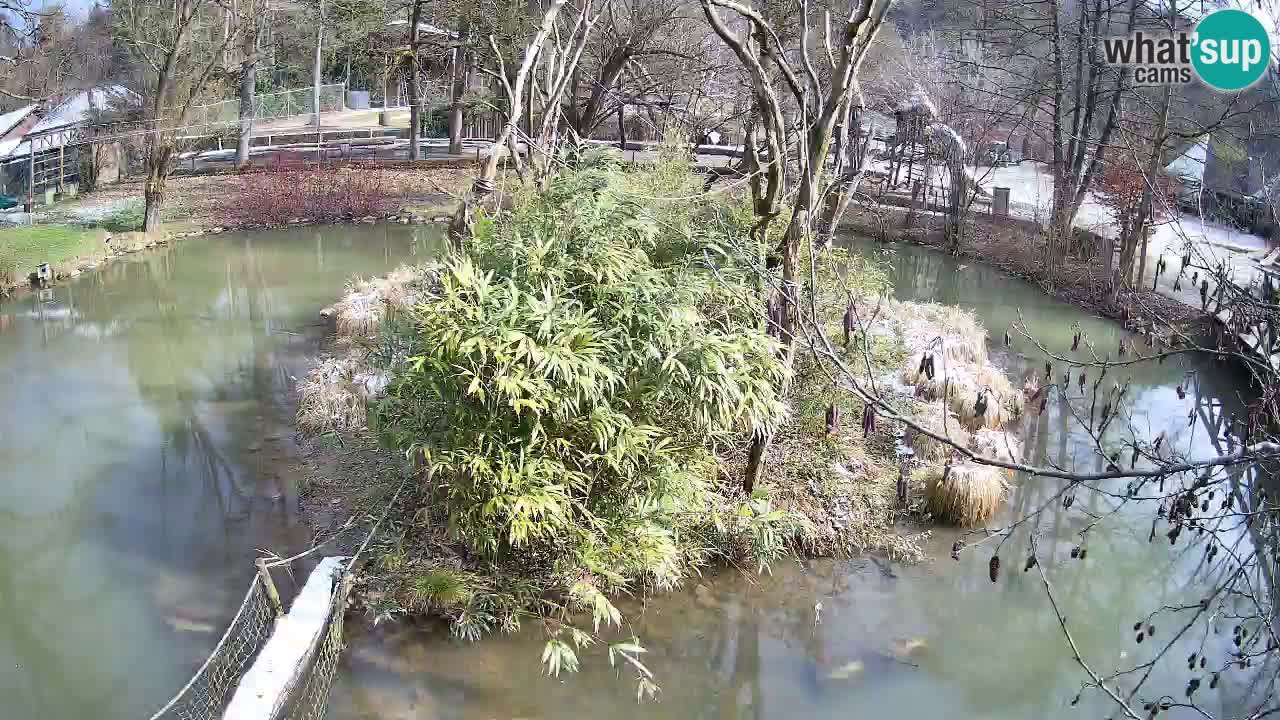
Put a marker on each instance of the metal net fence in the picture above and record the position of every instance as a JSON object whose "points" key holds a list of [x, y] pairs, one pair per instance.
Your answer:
{"points": [[205, 695], [272, 105], [310, 700]]}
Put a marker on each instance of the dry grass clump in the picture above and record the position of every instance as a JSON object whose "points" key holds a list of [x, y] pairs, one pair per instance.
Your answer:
{"points": [[399, 287], [962, 385], [967, 405], [952, 379], [358, 313], [844, 487], [962, 337], [332, 398], [335, 394], [364, 306], [936, 451], [962, 374], [966, 494], [1030, 386], [994, 380], [997, 444]]}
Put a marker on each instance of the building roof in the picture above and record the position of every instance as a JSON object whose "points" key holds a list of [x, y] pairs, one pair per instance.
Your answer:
{"points": [[76, 109], [73, 111], [1189, 166], [10, 120]]}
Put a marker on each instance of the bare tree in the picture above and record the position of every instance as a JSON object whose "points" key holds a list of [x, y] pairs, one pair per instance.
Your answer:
{"points": [[415, 73], [48, 54], [619, 66], [820, 104], [253, 16], [559, 65], [180, 45], [458, 84], [516, 91]]}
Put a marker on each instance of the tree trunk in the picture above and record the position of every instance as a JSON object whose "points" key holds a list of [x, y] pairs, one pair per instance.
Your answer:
{"points": [[159, 158], [858, 34], [415, 106], [1061, 228], [248, 106], [1154, 163], [755, 462], [482, 187], [955, 204], [315, 69], [848, 170], [458, 88], [586, 118], [1142, 255], [622, 130]]}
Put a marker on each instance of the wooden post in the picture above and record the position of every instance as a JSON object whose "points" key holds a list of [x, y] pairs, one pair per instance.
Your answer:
{"points": [[62, 166], [272, 593]]}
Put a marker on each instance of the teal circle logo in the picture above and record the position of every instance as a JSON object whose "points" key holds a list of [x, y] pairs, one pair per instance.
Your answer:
{"points": [[1231, 50]]}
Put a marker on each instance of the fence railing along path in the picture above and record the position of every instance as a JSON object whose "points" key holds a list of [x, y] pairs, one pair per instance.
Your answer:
{"points": [[273, 106]]}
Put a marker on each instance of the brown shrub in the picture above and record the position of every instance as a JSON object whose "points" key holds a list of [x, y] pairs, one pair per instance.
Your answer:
{"points": [[278, 197]]}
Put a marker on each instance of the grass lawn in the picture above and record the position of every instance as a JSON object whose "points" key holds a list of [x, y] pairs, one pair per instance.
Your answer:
{"points": [[22, 249]]}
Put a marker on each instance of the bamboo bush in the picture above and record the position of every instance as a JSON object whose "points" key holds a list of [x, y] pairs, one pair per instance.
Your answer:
{"points": [[569, 380]]}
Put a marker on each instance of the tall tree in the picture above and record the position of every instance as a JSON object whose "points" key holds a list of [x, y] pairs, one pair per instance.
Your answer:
{"points": [[458, 83], [414, 66], [253, 21], [515, 81], [820, 100], [631, 33], [179, 45], [49, 54]]}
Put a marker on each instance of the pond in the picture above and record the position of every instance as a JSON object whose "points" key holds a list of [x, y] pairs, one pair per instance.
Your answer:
{"points": [[148, 452], [146, 446], [866, 637]]}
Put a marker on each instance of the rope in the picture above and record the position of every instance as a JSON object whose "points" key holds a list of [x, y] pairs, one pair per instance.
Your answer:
{"points": [[285, 561], [373, 530]]}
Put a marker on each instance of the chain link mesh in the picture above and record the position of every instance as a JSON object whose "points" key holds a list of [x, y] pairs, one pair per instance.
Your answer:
{"points": [[282, 104], [311, 701], [205, 695]]}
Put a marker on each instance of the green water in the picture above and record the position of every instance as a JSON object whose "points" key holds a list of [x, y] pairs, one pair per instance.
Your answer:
{"points": [[146, 441], [865, 637], [146, 450]]}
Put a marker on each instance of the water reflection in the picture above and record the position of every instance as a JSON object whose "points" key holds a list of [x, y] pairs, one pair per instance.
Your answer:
{"points": [[867, 638], [147, 450]]}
